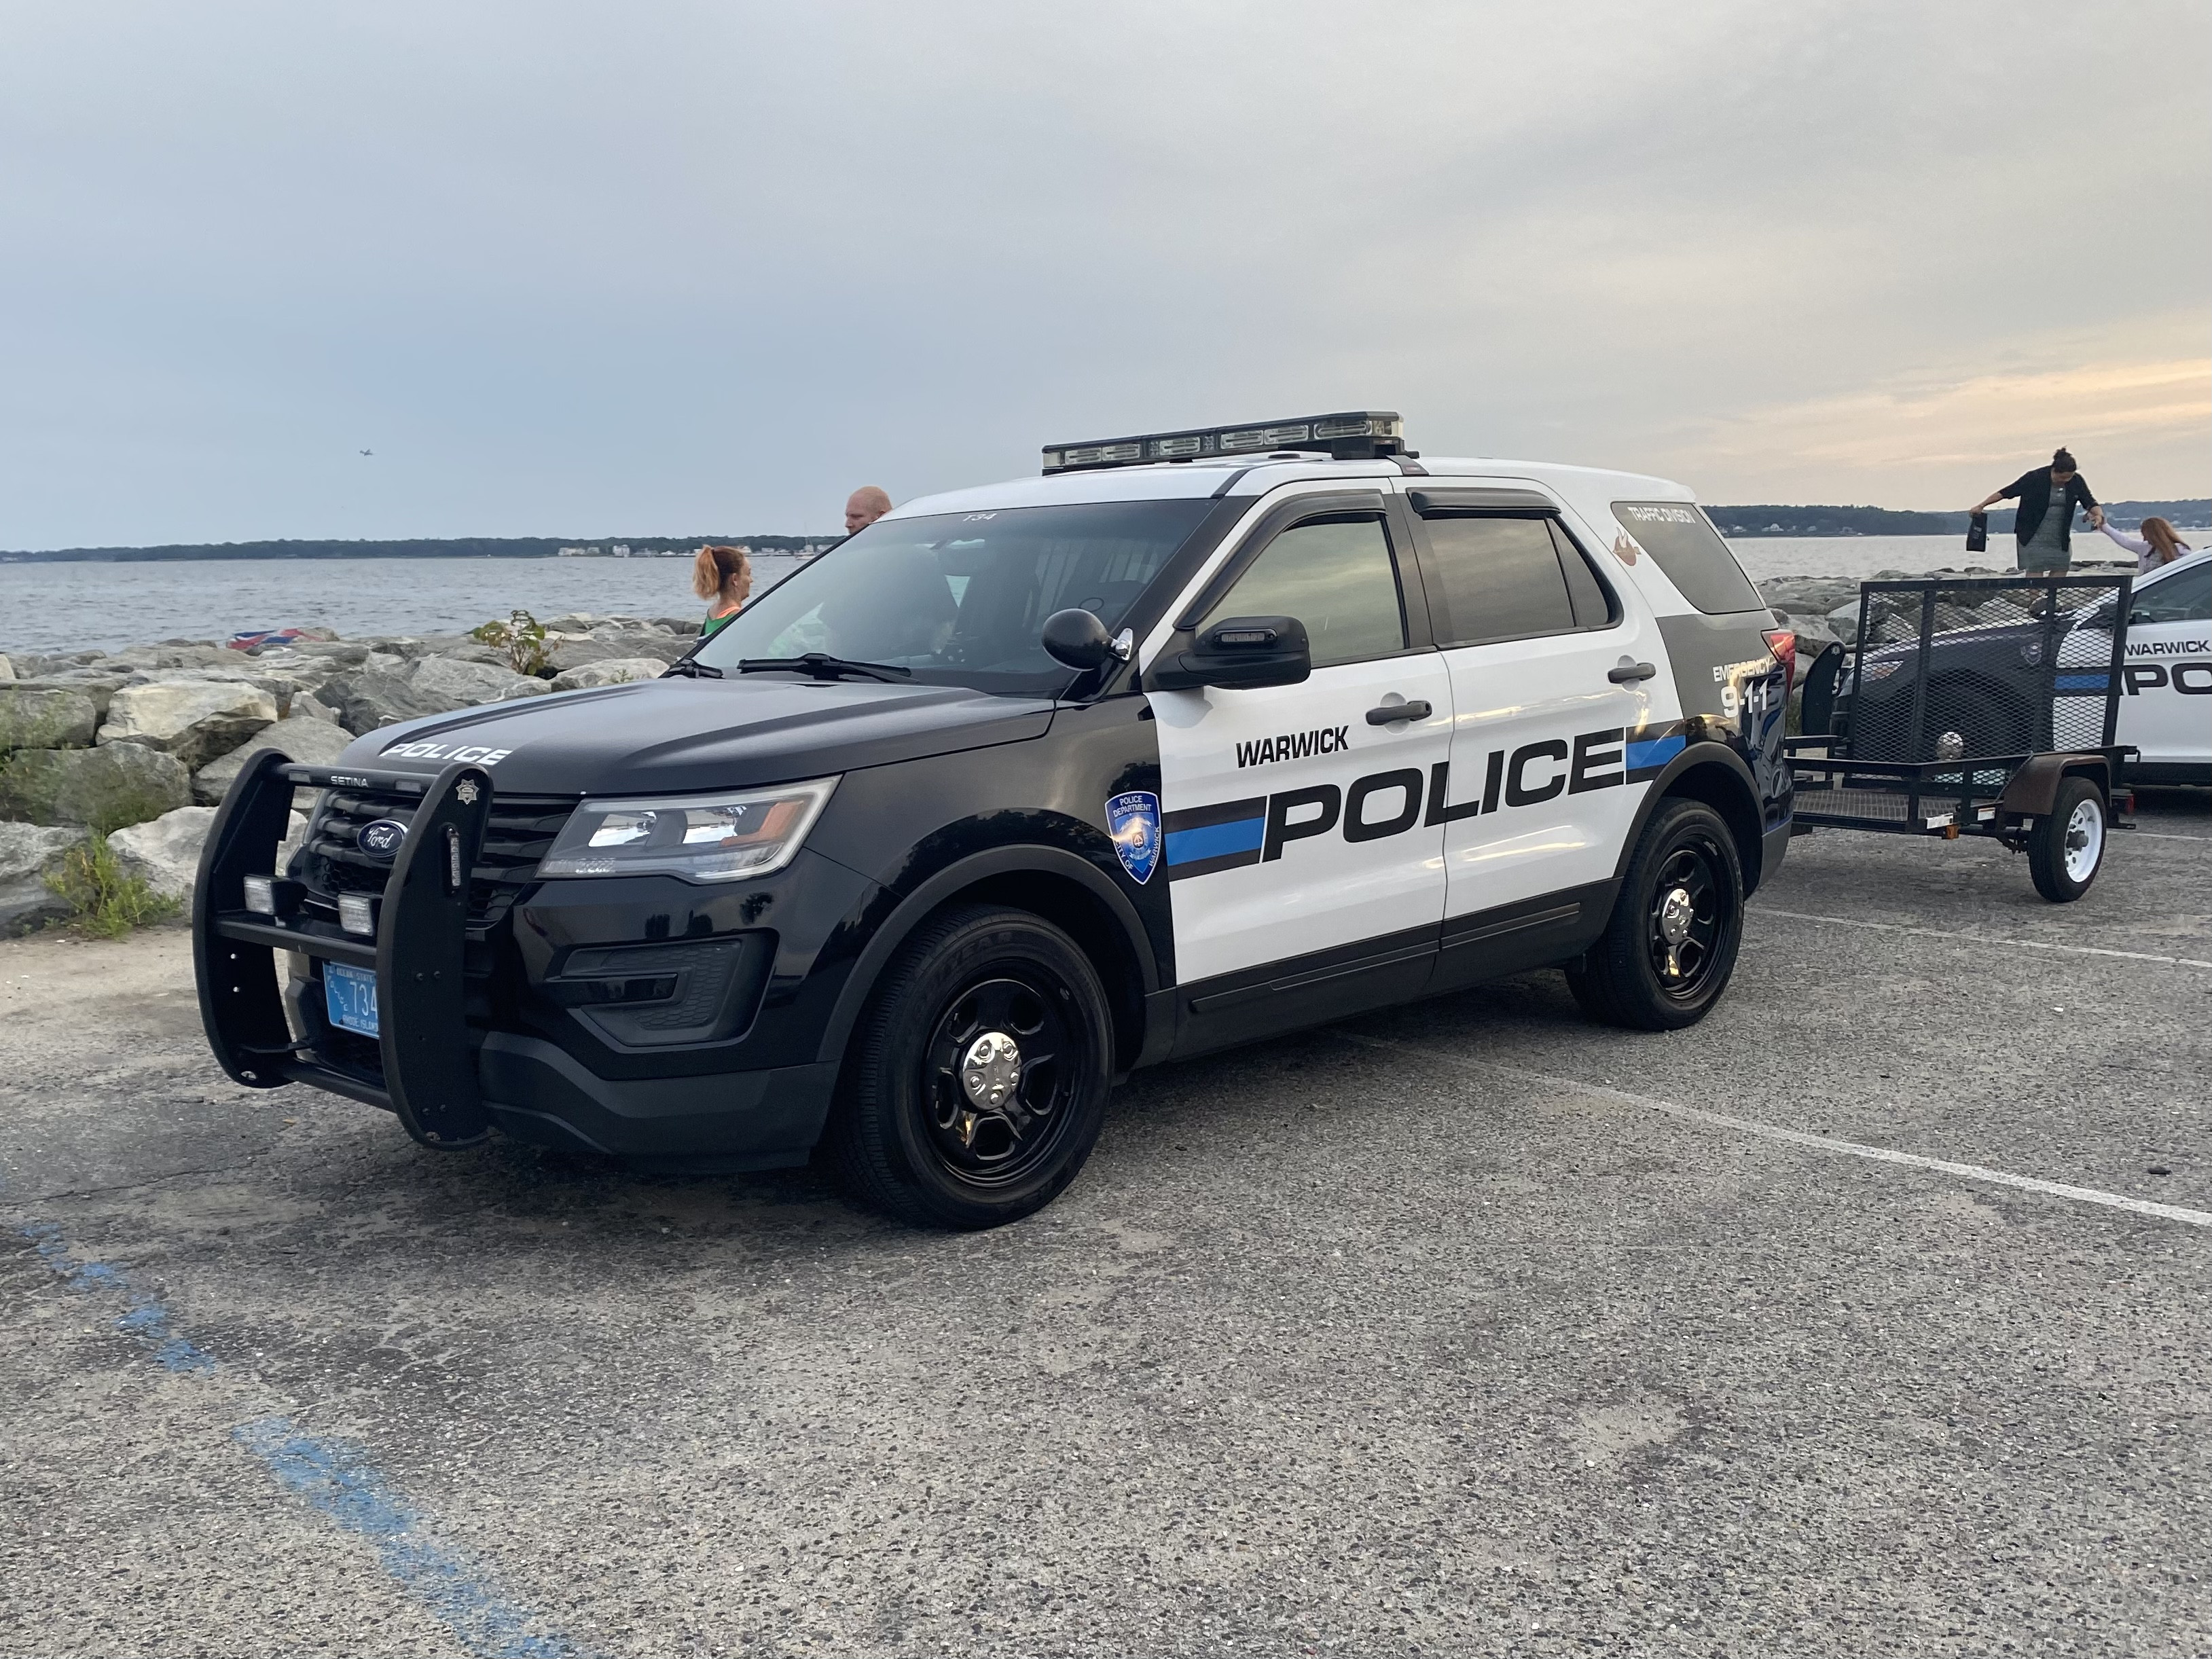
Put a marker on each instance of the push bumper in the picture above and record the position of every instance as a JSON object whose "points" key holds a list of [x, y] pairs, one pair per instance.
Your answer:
{"points": [[449, 1083]]}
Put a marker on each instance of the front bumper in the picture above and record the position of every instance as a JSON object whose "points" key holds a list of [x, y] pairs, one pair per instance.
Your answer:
{"points": [[452, 1079]]}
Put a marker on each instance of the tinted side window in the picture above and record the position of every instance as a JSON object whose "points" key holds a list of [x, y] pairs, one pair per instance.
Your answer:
{"points": [[1495, 578], [1690, 550], [2185, 597], [1336, 577], [1593, 604]]}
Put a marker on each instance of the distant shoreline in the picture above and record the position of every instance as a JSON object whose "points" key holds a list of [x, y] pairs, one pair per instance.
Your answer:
{"points": [[1737, 523]]}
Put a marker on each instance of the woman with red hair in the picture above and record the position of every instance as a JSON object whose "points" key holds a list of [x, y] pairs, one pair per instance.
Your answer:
{"points": [[723, 576], [2157, 545]]}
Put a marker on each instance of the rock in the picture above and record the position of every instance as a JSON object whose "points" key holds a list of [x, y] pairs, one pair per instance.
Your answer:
{"points": [[308, 707], [458, 647], [370, 698], [44, 717], [7, 669], [461, 684], [28, 853], [686, 626], [615, 670], [171, 653], [195, 721], [165, 853], [310, 742], [611, 645], [120, 784], [61, 677]]}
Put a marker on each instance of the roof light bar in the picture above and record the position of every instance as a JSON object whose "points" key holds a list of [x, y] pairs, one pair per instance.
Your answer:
{"points": [[1359, 434]]}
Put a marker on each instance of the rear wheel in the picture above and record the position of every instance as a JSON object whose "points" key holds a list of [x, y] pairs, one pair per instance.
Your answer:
{"points": [[1670, 946], [2067, 845], [976, 1084]]}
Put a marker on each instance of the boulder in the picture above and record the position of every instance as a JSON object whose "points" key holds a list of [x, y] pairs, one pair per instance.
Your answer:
{"points": [[7, 669], [686, 626], [165, 853], [367, 698], [306, 705], [459, 684], [310, 742], [460, 648], [615, 670], [56, 676], [195, 721], [28, 853], [44, 717], [612, 644], [108, 787], [170, 653]]}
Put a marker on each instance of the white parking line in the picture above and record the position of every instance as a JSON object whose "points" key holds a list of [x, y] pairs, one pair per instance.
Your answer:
{"points": [[2165, 834], [1798, 1138], [1981, 939]]}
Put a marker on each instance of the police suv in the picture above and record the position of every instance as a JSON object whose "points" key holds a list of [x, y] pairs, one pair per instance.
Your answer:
{"points": [[1197, 738]]}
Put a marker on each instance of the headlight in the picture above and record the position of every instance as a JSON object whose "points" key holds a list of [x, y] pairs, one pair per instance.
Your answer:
{"points": [[1871, 671], [699, 837]]}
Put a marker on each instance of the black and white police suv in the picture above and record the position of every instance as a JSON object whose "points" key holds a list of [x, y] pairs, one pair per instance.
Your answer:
{"points": [[1199, 736]]}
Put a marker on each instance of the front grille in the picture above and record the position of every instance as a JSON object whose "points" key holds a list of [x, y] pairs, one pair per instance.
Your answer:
{"points": [[520, 829]]}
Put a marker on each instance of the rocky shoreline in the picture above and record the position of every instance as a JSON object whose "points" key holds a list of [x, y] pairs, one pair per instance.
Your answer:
{"points": [[140, 745]]}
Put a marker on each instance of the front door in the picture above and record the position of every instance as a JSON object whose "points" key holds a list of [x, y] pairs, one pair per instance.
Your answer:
{"points": [[2165, 706], [1295, 828], [1538, 802]]}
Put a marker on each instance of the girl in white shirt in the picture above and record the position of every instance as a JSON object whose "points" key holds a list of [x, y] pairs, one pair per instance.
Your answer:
{"points": [[2157, 545]]}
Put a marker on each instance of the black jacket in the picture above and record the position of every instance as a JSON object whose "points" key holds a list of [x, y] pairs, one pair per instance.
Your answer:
{"points": [[2033, 489]]}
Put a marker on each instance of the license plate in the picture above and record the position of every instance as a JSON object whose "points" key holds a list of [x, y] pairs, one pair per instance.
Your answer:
{"points": [[350, 997]]}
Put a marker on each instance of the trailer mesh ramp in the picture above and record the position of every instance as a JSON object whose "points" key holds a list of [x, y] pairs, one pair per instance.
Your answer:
{"points": [[1949, 668]]}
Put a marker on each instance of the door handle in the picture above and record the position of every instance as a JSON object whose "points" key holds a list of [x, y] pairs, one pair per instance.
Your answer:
{"points": [[1629, 672], [1391, 713]]}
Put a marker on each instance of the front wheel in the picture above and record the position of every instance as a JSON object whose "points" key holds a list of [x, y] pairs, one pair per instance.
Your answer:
{"points": [[1666, 955], [2067, 845], [976, 1084]]}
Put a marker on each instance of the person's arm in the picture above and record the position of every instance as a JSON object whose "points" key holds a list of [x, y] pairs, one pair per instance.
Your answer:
{"points": [[2008, 492], [2089, 501], [2135, 544]]}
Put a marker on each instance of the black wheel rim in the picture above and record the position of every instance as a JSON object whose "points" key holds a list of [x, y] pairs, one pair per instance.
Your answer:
{"points": [[994, 1117], [1688, 921]]}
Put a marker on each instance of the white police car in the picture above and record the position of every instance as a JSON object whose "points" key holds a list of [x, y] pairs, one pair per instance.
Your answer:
{"points": [[2166, 703], [1199, 736]]}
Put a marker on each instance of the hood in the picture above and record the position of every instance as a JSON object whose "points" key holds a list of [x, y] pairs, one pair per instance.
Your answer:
{"points": [[683, 736]]}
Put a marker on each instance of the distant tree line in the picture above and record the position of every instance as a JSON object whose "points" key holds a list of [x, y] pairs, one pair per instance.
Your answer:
{"points": [[1774, 521], [465, 547]]}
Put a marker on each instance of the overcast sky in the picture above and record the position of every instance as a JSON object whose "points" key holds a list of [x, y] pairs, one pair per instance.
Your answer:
{"points": [[680, 268]]}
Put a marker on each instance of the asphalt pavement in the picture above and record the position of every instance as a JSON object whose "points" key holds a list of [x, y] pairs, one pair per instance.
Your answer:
{"points": [[1869, 1317]]}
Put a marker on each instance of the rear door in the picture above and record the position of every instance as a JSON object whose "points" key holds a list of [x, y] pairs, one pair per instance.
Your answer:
{"points": [[2166, 708], [1295, 837], [1536, 801]]}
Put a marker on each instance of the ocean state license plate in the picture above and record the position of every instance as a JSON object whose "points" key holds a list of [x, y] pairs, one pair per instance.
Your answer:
{"points": [[349, 997]]}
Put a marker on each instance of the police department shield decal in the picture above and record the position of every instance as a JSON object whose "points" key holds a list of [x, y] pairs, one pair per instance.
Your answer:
{"points": [[1134, 821]]}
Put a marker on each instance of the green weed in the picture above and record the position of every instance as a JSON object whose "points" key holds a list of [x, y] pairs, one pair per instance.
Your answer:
{"points": [[104, 902]]}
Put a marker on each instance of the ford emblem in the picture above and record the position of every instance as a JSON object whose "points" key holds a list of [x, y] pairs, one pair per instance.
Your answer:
{"points": [[382, 839]]}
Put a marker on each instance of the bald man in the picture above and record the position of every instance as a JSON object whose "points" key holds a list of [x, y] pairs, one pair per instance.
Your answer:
{"points": [[863, 507]]}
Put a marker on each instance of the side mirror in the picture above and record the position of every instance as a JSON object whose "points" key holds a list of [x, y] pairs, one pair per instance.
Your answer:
{"points": [[1240, 652], [1077, 639]]}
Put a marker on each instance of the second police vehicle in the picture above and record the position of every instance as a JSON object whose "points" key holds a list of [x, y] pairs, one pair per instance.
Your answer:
{"points": [[1196, 738]]}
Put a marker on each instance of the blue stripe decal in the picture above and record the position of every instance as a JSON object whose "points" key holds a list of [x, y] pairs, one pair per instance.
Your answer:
{"points": [[2096, 682], [330, 1477], [1215, 841], [1654, 751]]}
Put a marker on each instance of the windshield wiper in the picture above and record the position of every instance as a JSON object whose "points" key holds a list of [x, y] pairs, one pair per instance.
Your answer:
{"points": [[691, 669], [818, 665]]}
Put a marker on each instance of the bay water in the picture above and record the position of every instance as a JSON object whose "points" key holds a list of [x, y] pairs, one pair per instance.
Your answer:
{"points": [[78, 606]]}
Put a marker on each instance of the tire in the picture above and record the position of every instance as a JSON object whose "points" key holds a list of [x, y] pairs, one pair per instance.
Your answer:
{"points": [[2066, 849], [912, 1136], [1660, 966]]}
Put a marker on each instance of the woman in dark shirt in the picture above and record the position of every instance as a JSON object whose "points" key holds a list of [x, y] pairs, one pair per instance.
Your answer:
{"points": [[2043, 524]]}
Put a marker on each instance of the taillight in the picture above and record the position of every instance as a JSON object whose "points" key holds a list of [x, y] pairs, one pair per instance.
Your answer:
{"points": [[1782, 642]]}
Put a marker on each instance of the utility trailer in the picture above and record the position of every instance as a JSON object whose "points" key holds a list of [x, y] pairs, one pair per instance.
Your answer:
{"points": [[1974, 707]]}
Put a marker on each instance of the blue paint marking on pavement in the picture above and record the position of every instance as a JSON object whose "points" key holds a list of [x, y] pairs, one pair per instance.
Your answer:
{"points": [[333, 1479], [330, 1477], [147, 1319]]}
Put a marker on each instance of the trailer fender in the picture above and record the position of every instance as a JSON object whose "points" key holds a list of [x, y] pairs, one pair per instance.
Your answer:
{"points": [[2035, 785]]}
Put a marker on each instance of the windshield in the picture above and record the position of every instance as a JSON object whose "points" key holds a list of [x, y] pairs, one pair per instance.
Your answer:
{"points": [[961, 598]]}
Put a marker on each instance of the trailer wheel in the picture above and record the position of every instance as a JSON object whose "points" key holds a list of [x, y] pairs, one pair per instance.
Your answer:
{"points": [[2067, 846], [977, 1080], [1667, 951]]}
